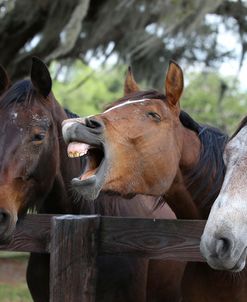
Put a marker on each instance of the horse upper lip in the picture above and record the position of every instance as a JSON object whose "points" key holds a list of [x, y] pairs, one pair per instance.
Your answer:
{"points": [[78, 132]]}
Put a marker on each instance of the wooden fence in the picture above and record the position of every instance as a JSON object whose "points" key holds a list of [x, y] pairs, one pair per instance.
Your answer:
{"points": [[74, 241]]}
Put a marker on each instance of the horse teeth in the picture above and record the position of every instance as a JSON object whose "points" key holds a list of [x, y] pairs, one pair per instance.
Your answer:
{"points": [[70, 154], [77, 149]]}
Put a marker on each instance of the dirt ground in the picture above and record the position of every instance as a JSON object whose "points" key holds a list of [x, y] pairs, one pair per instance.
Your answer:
{"points": [[12, 271]]}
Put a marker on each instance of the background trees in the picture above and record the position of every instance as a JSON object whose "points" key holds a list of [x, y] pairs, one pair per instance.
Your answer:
{"points": [[87, 38]]}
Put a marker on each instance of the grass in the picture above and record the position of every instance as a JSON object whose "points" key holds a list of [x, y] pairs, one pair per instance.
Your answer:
{"points": [[17, 293], [14, 255]]}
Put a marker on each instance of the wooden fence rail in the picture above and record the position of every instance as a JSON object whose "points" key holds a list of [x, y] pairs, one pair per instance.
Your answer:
{"points": [[74, 241]]}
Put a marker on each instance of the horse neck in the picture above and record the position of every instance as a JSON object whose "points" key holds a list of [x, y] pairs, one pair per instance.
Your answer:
{"points": [[200, 174], [180, 200], [179, 197]]}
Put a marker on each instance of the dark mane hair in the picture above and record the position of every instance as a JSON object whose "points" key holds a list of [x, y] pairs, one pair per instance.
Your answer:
{"points": [[213, 142], [70, 114], [21, 91], [242, 124], [211, 162]]}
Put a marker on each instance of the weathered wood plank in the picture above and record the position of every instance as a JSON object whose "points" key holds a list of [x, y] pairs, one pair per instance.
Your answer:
{"points": [[73, 258], [160, 239], [167, 239], [32, 234]]}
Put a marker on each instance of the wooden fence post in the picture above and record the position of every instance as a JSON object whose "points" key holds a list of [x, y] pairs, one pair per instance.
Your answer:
{"points": [[73, 254]]}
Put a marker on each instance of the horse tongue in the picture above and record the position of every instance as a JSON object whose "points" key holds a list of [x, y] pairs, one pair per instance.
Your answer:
{"points": [[77, 149]]}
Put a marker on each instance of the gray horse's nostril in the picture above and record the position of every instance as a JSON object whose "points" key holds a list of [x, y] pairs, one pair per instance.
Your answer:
{"points": [[223, 247]]}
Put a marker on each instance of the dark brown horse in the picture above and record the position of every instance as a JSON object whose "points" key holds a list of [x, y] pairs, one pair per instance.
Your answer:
{"points": [[145, 144], [35, 173]]}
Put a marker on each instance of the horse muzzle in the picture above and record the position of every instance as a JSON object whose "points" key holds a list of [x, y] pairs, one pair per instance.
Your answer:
{"points": [[85, 138], [7, 225], [223, 252]]}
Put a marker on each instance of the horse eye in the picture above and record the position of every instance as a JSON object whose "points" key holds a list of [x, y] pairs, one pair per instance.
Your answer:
{"points": [[154, 116], [38, 137]]}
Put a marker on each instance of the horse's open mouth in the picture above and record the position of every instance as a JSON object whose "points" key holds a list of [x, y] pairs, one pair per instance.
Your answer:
{"points": [[85, 139], [93, 156]]}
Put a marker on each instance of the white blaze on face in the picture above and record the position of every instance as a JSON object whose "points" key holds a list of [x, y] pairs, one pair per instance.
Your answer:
{"points": [[229, 212], [126, 103], [13, 116]]}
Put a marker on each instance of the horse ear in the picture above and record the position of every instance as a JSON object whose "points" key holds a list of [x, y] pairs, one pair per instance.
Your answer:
{"points": [[40, 77], [4, 80], [174, 84], [130, 85]]}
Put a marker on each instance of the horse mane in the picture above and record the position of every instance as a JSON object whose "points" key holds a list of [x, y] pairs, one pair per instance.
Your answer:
{"points": [[242, 124], [70, 114], [23, 91], [210, 163], [20, 92]]}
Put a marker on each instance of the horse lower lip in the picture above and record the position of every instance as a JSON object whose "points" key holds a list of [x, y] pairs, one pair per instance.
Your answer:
{"points": [[92, 163], [238, 266], [90, 186], [89, 176]]}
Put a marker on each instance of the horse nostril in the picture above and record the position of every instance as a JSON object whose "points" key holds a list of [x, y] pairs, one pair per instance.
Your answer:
{"points": [[93, 123], [223, 246], [4, 217]]}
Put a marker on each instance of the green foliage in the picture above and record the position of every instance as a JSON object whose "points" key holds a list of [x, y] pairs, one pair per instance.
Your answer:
{"points": [[14, 293], [203, 99], [17, 290], [15, 255], [86, 91]]}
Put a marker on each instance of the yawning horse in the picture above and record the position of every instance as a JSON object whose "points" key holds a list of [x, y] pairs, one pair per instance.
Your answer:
{"points": [[35, 172], [145, 144]]}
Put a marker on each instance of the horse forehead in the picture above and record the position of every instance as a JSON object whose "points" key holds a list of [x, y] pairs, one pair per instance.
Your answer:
{"points": [[235, 174], [40, 117], [127, 103], [33, 114], [239, 142]]}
